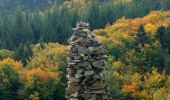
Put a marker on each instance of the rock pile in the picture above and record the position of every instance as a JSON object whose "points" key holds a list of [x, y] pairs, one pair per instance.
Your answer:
{"points": [[87, 66]]}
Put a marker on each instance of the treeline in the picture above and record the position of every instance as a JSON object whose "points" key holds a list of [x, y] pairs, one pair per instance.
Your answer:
{"points": [[55, 24], [139, 57], [138, 63], [141, 42], [9, 6], [42, 79]]}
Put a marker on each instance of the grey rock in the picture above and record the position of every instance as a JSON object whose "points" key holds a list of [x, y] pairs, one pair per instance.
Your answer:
{"points": [[92, 98], [95, 76], [102, 73], [74, 94], [97, 50], [73, 38], [73, 99], [71, 63], [89, 72], [82, 25], [97, 85], [80, 71], [83, 64], [89, 67], [97, 91], [70, 71], [99, 64], [83, 50], [72, 79], [78, 75], [82, 55], [104, 96], [79, 40], [104, 56], [85, 57], [75, 61], [85, 30], [71, 55]]}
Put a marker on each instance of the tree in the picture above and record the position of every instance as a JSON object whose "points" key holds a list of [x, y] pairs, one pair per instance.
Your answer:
{"points": [[5, 54], [9, 79], [36, 83], [166, 39], [23, 53], [163, 35], [141, 36], [93, 15], [51, 58]]}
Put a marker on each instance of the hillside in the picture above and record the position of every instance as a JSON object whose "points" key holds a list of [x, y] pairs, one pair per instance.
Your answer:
{"points": [[139, 56], [138, 62], [125, 29], [47, 25], [9, 6], [34, 39]]}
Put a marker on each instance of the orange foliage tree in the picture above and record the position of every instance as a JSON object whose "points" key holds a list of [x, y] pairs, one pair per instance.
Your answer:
{"points": [[36, 83], [9, 78]]}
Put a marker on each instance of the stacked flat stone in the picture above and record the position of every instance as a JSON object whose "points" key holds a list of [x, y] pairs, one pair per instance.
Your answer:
{"points": [[87, 66]]}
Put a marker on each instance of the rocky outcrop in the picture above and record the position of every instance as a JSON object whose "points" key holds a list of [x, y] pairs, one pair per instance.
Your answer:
{"points": [[87, 66]]}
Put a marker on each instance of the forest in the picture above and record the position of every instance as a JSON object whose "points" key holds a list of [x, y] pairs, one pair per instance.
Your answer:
{"points": [[34, 38]]}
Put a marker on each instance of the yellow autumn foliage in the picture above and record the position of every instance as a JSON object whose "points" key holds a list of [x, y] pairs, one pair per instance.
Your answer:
{"points": [[29, 75], [37, 83], [6, 53], [80, 4], [47, 46], [148, 86], [154, 79], [10, 62], [131, 88], [48, 57], [101, 38], [125, 28], [117, 64], [117, 76], [150, 28]]}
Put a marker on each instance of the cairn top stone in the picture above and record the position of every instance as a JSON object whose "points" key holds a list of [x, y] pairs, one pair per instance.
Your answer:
{"points": [[82, 25]]}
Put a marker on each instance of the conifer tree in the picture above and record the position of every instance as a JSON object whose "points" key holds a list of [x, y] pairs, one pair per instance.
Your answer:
{"points": [[141, 36]]}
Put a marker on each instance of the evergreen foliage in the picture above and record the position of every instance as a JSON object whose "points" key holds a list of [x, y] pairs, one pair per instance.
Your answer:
{"points": [[33, 66]]}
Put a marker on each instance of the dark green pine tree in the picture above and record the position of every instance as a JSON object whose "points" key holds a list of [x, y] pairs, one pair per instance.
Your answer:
{"points": [[9, 91], [141, 36], [160, 32], [41, 41], [163, 35], [93, 15], [166, 39], [23, 53]]}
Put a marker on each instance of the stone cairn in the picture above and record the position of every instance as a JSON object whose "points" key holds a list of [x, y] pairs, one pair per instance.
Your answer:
{"points": [[87, 66]]}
